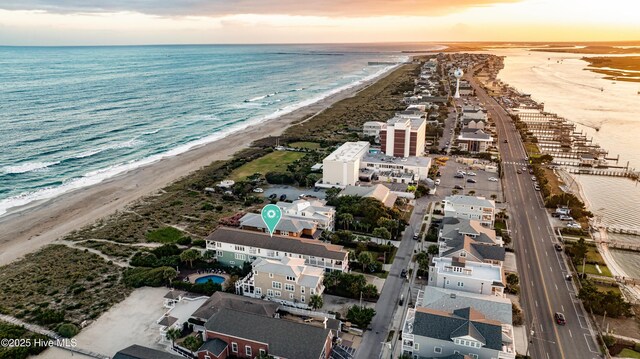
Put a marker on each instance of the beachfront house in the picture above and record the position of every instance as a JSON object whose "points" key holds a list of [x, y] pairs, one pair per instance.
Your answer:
{"points": [[470, 207], [287, 281], [315, 210], [379, 192], [287, 226], [235, 247]]}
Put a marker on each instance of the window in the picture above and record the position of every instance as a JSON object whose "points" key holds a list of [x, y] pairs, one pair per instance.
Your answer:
{"points": [[232, 262], [447, 282], [263, 352], [240, 248], [291, 296], [240, 256], [218, 244], [474, 356], [278, 293], [289, 287], [234, 347], [258, 290], [270, 292], [247, 350], [270, 275], [313, 291], [416, 346], [437, 350], [290, 278], [302, 290], [302, 298], [460, 284], [219, 253], [276, 285]]}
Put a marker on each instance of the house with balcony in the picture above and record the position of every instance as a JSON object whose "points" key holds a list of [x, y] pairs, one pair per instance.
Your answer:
{"points": [[287, 226], [315, 210], [474, 141], [287, 281], [235, 247], [467, 276], [236, 334], [492, 307], [471, 250], [431, 333], [470, 207]]}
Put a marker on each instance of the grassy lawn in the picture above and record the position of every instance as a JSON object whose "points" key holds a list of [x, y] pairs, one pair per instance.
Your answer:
{"points": [[628, 353], [164, 235], [276, 161], [591, 269], [554, 183], [594, 256], [605, 288], [59, 284], [532, 148], [307, 145], [500, 225]]}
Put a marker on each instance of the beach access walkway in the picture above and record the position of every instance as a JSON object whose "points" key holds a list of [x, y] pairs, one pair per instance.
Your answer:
{"points": [[617, 272]]}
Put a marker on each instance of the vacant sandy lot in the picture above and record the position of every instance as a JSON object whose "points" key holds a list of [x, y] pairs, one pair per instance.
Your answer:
{"points": [[132, 321]]}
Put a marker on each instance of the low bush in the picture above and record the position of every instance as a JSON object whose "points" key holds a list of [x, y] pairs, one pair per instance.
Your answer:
{"points": [[67, 330]]}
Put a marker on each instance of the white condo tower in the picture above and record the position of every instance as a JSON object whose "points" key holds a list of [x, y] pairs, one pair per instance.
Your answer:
{"points": [[458, 74]]}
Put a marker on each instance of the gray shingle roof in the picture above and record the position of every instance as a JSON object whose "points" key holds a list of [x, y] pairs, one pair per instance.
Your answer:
{"points": [[278, 333], [139, 352], [444, 326], [447, 300], [215, 346], [277, 243], [221, 300]]}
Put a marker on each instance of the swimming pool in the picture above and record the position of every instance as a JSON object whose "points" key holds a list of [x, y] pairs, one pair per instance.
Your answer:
{"points": [[214, 278]]}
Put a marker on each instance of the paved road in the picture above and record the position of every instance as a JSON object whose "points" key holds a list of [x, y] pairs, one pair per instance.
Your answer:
{"points": [[372, 340], [544, 289]]}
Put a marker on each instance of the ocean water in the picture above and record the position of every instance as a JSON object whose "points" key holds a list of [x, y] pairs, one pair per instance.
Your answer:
{"points": [[74, 116], [587, 99]]}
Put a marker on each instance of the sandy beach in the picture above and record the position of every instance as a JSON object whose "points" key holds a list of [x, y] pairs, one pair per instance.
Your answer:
{"points": [[27, 229]]}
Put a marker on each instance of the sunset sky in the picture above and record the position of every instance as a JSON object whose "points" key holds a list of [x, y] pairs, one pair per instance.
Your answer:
{"points": [[103, 22]]}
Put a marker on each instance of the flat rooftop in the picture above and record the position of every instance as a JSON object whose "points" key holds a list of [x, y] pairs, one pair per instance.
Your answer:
{"points": [[348, 151], [418, 161]]}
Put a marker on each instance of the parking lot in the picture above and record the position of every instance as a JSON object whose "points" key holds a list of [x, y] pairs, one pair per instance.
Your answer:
{"points": [[483, 187], [291, 192]]}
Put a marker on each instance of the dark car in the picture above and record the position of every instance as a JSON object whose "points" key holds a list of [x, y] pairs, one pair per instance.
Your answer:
{"points": [[519, 172], [283, 197], [458, 175], [506, 141], [403, 274], [457, 187], [560, 318], [558, 247], [471, 180], [416, 236], [273, 196]]}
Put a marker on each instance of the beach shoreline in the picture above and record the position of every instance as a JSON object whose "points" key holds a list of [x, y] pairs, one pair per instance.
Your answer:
{"points": [[35, 225]]}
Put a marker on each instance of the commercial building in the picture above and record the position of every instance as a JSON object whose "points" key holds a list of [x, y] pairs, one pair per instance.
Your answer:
{"points": [[235, 247], [341, 167], [287, 281], [396, 169], [469, 207], [403, 137]]}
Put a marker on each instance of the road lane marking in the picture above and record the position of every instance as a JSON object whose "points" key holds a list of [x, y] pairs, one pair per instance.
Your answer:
{"points": [[586, 339], [571, 335], [562, 306], [536, 303], [551, 268], [557, 288]]}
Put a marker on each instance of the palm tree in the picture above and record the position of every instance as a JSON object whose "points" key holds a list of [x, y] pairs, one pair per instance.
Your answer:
{"points": [[365, 259], [173, 334], [316, 301], [331, 279], [494, 197], [189, 256], [346, 219], [169, 274]]}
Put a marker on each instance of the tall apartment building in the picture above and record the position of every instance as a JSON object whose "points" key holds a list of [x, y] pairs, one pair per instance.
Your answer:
{"points": [[403, 137], [342, 166]]}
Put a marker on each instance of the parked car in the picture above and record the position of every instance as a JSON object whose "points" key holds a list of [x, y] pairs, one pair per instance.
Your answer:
{"points": [[568, 277], [258, 190], [524, 168], [519, 172], [560, 319], [458, 175], [558, 247], [403, 274], [437, 181], [506, 141], [564, 217], [533, 178], [416, 236], [555, 214], [493, 179], [457, 187], [536, 187], [283, 197], [461, 172], [471, 173], [574, 225], [471, 180], [273, 196], [530, 172]]}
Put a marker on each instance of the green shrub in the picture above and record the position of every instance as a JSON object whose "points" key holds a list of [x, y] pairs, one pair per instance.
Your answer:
{"points": [[184, 241], [140, 277], [164, 235], [67, 330]]}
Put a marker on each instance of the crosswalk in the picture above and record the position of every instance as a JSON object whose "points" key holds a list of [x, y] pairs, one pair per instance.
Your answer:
{"points": [[521, 164]]}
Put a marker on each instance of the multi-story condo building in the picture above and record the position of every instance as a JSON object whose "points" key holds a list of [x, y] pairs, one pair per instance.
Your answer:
{"points": [[341, 167], [476, 208], [403, 137], [287, 281], [235, 247]]}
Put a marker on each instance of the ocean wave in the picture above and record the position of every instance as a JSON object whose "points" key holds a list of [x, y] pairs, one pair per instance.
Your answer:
{"points": [[262, 97], [114, 146], [95, 177], [27, 167]]}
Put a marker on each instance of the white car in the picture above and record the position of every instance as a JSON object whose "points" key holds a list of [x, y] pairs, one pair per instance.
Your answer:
{"points": [[258, 190], [574, 225], [461, 172], [437, 182], [493, 179], [471, 173]]}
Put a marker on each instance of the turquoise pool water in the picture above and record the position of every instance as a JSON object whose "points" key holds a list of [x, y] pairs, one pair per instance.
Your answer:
{"points": [[214, 278]]}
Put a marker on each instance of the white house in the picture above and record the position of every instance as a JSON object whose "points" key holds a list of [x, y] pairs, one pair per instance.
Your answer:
{"points": [[476, 141], [372, 129], [310, 210], [469, 207], [468, 276]]}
